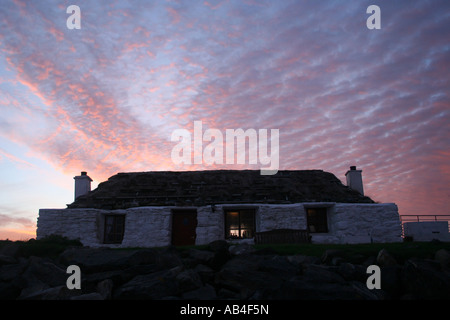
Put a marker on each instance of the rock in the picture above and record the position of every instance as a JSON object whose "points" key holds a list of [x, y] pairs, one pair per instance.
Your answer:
{"points": [[149, 286], [330, 254], [424, 279], [240, 272], [188, 280], [351, 272], [244, 248], [278, 266], [104, 288], [336, 261], [55, 293], [162, 258], [44, 271], [200, 256], [299, 260], [12, 272], [6, 259], [390, 281], [225, 294], [385, 259], [117, 277], [206, 292], [246, 274], [221, 256], [443, 256], [11, 249], [92, 260], [9, 290], [218, 245], [88, 296], [206, 273], [364, 293], [322, 274], [301, 288]]}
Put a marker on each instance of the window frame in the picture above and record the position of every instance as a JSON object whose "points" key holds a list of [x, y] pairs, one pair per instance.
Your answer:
{"points": [[119, 229], [240, 229], [320, 222]]}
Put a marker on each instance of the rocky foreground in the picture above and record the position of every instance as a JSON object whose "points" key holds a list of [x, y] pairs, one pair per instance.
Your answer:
{"points": [[219, 272]]}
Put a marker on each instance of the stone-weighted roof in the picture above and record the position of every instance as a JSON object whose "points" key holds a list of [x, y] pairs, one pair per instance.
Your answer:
{"points": [[199, 188]]}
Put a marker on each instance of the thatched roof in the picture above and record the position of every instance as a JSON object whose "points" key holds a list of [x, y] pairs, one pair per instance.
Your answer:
{"points": [[199, 188]]}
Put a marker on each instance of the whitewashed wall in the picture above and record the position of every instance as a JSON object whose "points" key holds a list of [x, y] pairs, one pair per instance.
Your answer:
{"points": [[427, 230], [151, 226], [362, 223]]}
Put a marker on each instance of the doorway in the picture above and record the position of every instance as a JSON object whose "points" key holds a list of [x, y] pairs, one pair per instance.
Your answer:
{"points": [[184, 225]]}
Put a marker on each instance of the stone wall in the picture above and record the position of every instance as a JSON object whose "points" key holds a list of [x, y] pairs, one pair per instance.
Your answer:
{"points": [[362, 223], [427, 230], [152, 226]]}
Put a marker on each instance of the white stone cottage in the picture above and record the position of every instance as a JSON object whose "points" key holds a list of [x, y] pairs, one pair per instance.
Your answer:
{"points": [[147, 209]]}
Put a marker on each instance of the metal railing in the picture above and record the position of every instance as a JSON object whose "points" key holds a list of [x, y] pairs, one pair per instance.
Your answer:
{"points": [[422, 218]]}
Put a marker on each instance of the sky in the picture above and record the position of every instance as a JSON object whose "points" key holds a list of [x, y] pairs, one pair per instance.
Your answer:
{"points": [[106, 98]]}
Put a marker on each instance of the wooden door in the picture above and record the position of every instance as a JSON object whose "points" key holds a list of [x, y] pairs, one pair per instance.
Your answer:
{"points": [[184, 224]]}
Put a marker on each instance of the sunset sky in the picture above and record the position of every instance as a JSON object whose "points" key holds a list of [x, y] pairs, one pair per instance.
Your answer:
{"points": [[106, 98]]}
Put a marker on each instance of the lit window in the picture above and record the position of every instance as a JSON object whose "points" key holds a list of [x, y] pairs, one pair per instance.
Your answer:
{"points": [[239, 224]]}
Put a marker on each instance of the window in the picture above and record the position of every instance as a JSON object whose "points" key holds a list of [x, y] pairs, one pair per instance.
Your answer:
{"points": [[239, 224], [114, 228], [317, 220]]}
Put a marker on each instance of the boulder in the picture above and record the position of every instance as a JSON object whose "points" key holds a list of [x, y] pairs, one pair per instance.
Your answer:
{"points": [[54, 293], [104, 288], [391, 281], [6, 259], [196, 256], [40, 270], [156, 285], [221, 256], [206, 273], [88, 296], [299, 260], [424, 279], [322, 274], [91, 260], [302, 288], [331, 254], [206, 292], [278, 266], [9, 290], [12, 249], [352, 272], [443, 257], [385, 259], [218, 245], [243, 248], [188, 280]]}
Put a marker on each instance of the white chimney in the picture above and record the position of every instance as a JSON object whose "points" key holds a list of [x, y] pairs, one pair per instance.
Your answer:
{"points": [[354, 179], [82, 184]]}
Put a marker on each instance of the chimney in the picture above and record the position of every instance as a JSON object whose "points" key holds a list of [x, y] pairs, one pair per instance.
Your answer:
{"points": [[354, 179], [82, 184]]}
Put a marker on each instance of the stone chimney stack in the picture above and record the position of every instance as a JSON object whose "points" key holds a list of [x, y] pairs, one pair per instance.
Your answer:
{"points": [[82, 184], [354, 179]]}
